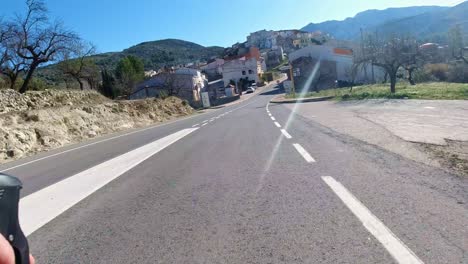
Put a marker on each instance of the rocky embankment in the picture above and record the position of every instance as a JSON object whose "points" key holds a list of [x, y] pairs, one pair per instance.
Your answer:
{"points": [[40, 121]]}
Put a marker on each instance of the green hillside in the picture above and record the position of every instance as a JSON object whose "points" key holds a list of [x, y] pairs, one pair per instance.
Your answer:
{"points": [[155, 54], [160, 53]]}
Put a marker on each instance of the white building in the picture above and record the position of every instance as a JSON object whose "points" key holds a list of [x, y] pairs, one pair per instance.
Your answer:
{"points": [[343, 58], [240, 69], [213, 68]]}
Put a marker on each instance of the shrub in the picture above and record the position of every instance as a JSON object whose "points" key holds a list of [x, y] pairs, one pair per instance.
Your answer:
{"points": [[163, 94], [458, 73], [422, 75], [438, 70]]}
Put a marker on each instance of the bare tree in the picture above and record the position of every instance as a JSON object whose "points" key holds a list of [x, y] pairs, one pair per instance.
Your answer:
{"points": [[415, 59], [390, 54], [11, 65], [38, 40], [79, 66], [4, 32], [459, 51], [172, 84]]}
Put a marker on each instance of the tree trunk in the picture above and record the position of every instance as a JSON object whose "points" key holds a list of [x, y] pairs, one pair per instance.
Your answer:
{"points": [[410, 77], [12, 78], [28, 78], [392, 83], [81, 83]]}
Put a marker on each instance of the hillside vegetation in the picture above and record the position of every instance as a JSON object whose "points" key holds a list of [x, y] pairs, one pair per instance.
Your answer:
{"points": [[430, 26], [154, 54]]}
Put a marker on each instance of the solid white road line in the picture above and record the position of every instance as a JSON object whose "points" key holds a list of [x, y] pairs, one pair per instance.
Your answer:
{"points": [[277, 124], [39, 208], [272, 118], [399, 251], [286, 134], [91, 144], [304, 153]]}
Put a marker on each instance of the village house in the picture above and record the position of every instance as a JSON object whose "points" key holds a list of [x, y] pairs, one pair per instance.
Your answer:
{"points": [[185, 83]]}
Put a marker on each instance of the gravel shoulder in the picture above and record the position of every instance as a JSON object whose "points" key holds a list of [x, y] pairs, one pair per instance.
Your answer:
{"points": [[427, 131]]}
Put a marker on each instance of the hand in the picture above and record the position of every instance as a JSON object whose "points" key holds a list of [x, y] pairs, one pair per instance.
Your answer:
{"points": [[7, 255]]}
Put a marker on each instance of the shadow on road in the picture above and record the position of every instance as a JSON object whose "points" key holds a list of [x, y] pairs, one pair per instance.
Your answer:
{"points": [[273, 92]]}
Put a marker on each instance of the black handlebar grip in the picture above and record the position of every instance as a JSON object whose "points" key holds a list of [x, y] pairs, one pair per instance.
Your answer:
{"points": [[9, 223]]}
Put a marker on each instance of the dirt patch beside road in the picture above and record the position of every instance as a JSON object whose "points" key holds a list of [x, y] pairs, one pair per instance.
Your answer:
{"points": [[427, 131], [40, 121]]}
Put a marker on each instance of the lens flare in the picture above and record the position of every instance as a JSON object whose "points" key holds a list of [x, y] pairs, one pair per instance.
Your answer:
{"points": [[302, 93]]}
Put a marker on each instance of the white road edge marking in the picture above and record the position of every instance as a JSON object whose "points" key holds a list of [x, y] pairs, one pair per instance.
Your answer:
{"points": [[399, 251], [277, 124], [111, 138], [272, 118], [286, 134], [39, 208], [304, 153]]}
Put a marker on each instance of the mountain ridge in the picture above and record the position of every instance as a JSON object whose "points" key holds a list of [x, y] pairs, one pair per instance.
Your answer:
{"points": [[349, 28]]}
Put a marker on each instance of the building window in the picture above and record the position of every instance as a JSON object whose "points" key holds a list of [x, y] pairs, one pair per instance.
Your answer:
{"points": [[250, 72], [243, 72]]}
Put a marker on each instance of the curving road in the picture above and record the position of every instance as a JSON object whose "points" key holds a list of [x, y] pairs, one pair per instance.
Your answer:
{"points": [[248, 183]]}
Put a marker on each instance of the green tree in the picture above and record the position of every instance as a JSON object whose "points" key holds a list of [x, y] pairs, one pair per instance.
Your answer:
{"points": [[108, 86], [129, 71]]}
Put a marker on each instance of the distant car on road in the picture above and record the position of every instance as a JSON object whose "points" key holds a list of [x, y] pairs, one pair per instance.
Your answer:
{"points": [[250, 90]]}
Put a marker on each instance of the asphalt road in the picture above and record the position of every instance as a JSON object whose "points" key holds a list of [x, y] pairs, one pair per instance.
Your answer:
{"points": [[233, 186]]}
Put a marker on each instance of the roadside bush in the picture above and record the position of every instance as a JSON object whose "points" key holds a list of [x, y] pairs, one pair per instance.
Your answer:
{"points": [[163, 94], [458, 73], [3, 84], [422, 76], [438, 70]]}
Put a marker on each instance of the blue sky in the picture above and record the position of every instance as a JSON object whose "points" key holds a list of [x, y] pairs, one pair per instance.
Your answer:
{"points": [[113, 25]]}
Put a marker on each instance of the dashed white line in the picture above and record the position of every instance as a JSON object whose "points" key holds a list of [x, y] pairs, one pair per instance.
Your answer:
{"points": [[399, 251], [269, 114], [272, 118], [277, 124], [204, 124], [304, 153], [286, 134], [195, 125]]}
